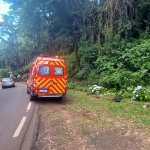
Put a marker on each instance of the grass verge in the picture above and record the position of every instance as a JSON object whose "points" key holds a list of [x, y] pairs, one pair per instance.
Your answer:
{"points": [[93, 106]]}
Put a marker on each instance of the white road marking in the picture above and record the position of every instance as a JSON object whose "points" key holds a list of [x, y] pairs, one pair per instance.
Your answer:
{"points": [[20, 127], [29, 106]]}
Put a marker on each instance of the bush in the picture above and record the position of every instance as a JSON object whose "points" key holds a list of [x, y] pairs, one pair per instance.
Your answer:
{"points": [[76, 87], [141, 94], [93, 78], [4, 72], [117, 78], [97, 90], [123, 93], [71, 64], [127, 67]]}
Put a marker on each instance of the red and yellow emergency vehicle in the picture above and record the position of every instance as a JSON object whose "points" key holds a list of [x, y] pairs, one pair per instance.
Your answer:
{"points": [[47, 77]]}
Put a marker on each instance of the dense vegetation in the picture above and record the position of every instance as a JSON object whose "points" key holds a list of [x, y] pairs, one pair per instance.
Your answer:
{"points": [[105, 42]]}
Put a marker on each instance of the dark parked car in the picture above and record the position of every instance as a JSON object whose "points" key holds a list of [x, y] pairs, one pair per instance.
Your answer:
{"points": [[7, 82]]}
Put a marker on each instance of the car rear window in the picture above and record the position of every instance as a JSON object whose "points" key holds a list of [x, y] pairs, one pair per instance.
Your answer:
{"points": [[58, 71], [44, 70]]}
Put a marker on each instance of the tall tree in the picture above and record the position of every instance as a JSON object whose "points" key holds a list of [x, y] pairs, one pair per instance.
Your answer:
{"points": [[9, 34]]}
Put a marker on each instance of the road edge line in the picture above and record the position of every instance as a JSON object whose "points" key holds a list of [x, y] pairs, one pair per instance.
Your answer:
{"points": [[31, 135]]}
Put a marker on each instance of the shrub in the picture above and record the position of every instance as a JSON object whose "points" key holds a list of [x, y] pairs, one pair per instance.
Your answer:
{"points": [[71, 64], [93, 78], [76, 87], [4, 73], [97, 90], [141, 94]]}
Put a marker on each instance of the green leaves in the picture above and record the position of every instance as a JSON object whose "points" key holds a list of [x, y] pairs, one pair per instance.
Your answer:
{"points": [[141, 95]]}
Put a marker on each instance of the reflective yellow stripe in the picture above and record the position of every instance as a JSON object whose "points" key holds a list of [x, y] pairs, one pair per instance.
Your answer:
{"points": [[46, 83], [53, 90], [39, 83], [61, 84], [59, 87], [62, 64]]}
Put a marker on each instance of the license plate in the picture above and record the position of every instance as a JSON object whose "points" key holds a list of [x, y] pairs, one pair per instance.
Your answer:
{"points": [[43, 90]]}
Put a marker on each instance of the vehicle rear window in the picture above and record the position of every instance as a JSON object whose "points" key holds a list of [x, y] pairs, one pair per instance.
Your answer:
{"points": [[44, 70], [58, 71]]}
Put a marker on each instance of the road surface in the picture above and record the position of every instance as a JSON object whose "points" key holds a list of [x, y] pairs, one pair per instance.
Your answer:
{"points": [[16, 112]]}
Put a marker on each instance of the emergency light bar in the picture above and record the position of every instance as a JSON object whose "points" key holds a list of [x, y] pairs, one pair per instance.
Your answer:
{"points": [[51, 59]]}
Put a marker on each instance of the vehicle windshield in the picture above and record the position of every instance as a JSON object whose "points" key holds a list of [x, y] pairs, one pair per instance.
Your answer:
{"points": [[7, 79]]}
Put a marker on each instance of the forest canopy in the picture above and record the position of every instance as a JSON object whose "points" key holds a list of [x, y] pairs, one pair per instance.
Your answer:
{"points": [[104, 42]]}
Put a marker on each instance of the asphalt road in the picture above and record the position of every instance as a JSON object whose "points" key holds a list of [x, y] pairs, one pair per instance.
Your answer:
{"points": [[16, 113]]}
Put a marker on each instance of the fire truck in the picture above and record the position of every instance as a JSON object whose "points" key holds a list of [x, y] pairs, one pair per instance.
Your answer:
{"points": [[47, 78]]}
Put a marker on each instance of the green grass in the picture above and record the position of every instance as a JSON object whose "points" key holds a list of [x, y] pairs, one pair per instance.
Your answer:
{"points": [[127, 109]]}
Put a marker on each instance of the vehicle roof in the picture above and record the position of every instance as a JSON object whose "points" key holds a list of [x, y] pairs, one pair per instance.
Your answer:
{"points": [[48, 59]]}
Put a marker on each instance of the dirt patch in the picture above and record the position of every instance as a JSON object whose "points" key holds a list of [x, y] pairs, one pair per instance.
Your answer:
{"points": [[63, 129]]}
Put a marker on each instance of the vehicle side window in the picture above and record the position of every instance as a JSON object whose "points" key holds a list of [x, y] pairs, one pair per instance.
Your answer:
{"points": [[58, 71], [44, 70]]}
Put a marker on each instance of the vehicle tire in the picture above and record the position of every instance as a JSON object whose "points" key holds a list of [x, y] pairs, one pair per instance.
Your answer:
{"points": [[32, 98], [60, 99]]}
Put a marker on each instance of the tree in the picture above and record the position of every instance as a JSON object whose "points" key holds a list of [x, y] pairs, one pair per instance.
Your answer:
{"points": [[9, 34]]}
